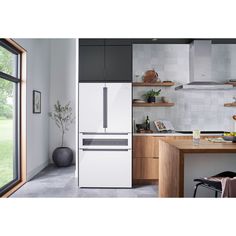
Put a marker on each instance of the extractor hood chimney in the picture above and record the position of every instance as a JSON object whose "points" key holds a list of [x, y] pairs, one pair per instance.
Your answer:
{"points": [[200, 68]]}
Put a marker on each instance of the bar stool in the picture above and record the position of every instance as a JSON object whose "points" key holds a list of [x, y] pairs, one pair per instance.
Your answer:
{"points": [[211, 183]]}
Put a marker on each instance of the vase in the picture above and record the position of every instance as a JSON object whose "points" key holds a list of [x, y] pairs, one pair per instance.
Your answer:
{"points": [[151, 99], [62, 156]]}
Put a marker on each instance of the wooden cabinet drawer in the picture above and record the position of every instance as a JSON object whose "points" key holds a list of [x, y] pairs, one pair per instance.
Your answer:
{"points": [[145, 146], [145, 168]]}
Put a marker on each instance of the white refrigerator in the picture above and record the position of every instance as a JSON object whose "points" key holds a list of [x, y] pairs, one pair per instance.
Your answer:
{"points": [[105, 135]]}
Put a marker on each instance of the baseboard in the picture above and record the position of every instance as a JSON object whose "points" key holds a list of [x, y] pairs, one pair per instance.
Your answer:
{"points": [[36, 170]]}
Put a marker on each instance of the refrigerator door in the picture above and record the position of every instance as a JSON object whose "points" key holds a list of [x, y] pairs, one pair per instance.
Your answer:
{"points": [[105, 168], [119, 107], [91, 107]]}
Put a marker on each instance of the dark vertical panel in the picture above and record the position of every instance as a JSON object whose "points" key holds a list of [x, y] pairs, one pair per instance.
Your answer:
{"points": [[118, 63], [91, 64]]}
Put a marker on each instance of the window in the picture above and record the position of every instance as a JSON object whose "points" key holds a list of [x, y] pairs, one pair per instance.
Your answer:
{"points": [[10, 92]]}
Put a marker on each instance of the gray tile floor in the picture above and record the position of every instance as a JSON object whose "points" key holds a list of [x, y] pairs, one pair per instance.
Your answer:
{"points": [[60, 182]]}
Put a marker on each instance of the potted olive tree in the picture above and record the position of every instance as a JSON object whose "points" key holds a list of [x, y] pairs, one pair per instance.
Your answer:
{"points": [[151, 95], [63, 117]]}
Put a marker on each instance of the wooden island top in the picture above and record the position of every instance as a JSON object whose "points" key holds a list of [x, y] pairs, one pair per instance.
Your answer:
{"points": [[171, 162], [205, 146]]}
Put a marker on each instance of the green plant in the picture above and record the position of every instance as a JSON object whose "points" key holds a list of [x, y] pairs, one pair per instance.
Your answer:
{"points": [[152, 93], [63, 117]]}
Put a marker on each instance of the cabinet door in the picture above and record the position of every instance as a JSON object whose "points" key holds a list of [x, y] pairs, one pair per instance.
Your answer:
{"points": [[119, 107], [146, 168], [118, 63], [91, 64], [91, 107], [145, 146]]}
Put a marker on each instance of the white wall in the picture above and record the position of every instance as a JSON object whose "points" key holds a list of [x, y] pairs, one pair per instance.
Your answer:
{"points": [[193, 109], [38, 76], [62, 87]]}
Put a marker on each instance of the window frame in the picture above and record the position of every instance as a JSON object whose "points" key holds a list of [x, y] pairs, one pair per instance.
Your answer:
{"points": [[20, 111]]}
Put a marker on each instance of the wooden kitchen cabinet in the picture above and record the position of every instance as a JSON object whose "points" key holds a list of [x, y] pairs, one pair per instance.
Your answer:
{"points": [[145, 158], [145, 168], [145, 146]]}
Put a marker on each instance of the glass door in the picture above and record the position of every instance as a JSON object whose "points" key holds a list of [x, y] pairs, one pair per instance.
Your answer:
{"points": [[9, 117]]}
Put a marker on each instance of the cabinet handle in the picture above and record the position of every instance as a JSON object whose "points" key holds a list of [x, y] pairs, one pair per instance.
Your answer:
{"points": [[155, 157]]}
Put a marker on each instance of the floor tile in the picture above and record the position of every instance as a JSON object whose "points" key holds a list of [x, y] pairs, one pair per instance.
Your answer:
{"points": [[61, 183]]}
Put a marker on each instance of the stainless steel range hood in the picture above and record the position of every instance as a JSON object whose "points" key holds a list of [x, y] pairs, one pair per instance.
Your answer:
{"points": [[200, 68]]}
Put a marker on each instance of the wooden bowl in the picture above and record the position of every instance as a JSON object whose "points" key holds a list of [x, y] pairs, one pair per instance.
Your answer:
{"points": [[150, 76]]}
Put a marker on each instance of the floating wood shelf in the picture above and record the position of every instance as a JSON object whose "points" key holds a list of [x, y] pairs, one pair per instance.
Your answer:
{"points": [[232, 104], [156, 104], [157, 84]]}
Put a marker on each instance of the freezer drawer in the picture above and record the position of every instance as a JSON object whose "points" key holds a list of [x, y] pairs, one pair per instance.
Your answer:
{"points": [[105, 141], [105, 168]]}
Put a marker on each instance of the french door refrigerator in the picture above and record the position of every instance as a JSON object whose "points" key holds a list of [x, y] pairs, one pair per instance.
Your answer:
{"points": [[105, 135]]}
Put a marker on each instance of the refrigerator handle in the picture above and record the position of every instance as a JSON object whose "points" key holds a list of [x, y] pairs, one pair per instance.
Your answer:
{"points": [[105, 107], [104, 150]]}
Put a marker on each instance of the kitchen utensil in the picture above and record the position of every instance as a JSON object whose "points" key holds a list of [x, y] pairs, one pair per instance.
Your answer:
{"points": [[150, 76]]}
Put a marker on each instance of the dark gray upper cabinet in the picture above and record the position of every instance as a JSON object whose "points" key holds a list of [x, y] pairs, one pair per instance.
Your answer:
{"points": [[118, 63], [91, 63], [118, 42], [89, 42], [107, 60]]}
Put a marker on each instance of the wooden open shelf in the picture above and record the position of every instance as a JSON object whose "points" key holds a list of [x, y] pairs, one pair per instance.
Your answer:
{"points": [[158, 84], [232, 104], [156, 104]]}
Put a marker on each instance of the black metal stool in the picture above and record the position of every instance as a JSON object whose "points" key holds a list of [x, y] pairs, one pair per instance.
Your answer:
{"points": [[213, 184]]}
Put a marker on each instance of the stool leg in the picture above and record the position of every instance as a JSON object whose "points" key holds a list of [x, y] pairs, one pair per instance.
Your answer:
{"points": [[195, 189], [216, 194]]}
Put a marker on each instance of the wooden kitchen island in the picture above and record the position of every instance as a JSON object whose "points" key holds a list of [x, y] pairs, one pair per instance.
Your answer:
{"points": [[173, 155]]}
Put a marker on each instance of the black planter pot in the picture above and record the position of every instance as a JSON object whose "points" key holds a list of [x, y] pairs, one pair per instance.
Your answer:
{"points": [[62, 156], [151, 99]]}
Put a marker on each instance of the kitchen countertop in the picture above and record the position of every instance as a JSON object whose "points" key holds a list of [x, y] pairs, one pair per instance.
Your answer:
{"points": [[172, 155], [173, 134]]}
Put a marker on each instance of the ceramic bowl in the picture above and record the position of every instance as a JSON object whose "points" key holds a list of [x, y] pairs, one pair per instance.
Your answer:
{"points": [[229, 138]]}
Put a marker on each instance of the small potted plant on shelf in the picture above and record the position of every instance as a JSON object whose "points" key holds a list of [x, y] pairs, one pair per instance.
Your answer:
{"points": [[151, 95], [63, 117]]}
